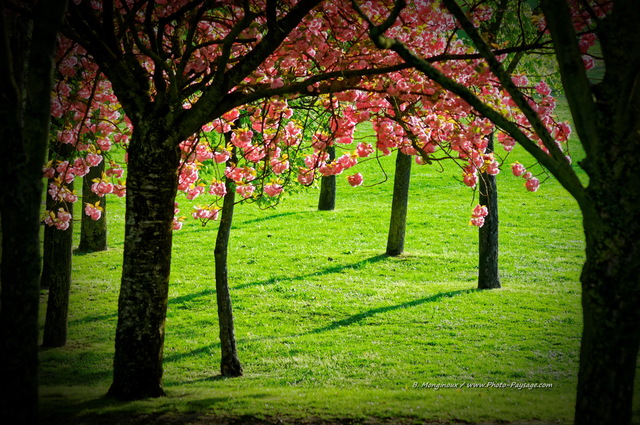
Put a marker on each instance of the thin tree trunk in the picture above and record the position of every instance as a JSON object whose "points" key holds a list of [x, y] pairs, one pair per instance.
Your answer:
{"points": [[58, 258], [56, 263], [398, 224], [229, 363], [327, 199], [48, 249], [93, 233], [24, 133], [488, 272], [142, 305]]}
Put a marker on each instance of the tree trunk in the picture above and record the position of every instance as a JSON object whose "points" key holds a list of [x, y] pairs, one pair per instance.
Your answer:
{"points": [[56, 263], [142, 305], [229, 363], [327, 199], [488, 273], [398, 224], [24, 132], [93, 233], [56, 275], [611, 314]]}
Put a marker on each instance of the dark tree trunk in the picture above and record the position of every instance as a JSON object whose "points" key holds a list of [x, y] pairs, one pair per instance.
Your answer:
{"points": [[93, 233], [56, 275], [24, 133], [229, 363], [611, 312], [607, 118], [488, 273], [142, 305], [398, 224], [327, 199]]}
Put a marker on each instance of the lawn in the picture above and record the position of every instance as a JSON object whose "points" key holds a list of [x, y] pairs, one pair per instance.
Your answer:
{"points": [[329, 327]]}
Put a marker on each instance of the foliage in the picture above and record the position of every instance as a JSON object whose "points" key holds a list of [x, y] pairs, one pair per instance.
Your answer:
{"points": [[327, 58]]}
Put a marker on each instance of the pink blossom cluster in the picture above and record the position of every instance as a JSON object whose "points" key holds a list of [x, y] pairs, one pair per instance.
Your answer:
{"points": [[93, 210], [532, 183], [285, 138], [205, 213], [478, 215], [86, 115], [60, 219]]}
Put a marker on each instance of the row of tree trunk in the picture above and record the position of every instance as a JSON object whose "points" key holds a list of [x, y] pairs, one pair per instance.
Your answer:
{"points": [[488, 273]]}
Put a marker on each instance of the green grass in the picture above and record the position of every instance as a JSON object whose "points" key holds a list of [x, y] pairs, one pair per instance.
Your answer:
{"points": [[328, 326]]}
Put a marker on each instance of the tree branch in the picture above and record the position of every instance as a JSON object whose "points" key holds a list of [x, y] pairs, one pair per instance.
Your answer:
{"points": [[572, 73], [505, 80], [559, 167]]}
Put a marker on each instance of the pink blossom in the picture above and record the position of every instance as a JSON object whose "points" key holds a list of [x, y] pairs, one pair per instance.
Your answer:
{"points": [[255, 153], [305, 177], [94, 159], [532, 184], [348, 160], [194, 191], [245, 190], [93, 211], [69, 196], [80, 167], [478, 214], [217, 188], [493, 168], [364, 150], [278, 166], [177, 224], [543, 88], [104, 144], [62, 167], [48, 172], [477, 221], [205, 213], [470, 179], [119, 190], [62, 220], [115, 171], [273, 189], [518, 169], [355, 179], [506, 141], [221, 156], [102, 188]]}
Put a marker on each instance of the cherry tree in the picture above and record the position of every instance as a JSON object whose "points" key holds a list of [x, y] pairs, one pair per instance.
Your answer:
{"points": [[205, 84], [176, 67], [606, 116]]}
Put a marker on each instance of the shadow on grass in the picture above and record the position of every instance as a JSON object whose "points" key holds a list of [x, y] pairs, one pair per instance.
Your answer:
{"points": [[361, 316], [91, 319], [273, 280], [57, 408], [270, 217], [333, 326]]}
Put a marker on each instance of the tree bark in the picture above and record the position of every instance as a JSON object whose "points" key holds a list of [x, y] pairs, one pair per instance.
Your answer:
{"points": [[24, 132], [607, 119], [229, 363], [93, 233], [398, 224], [611, 309], [327, 199], [56, 275], [151, 189], [488, 271]]}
